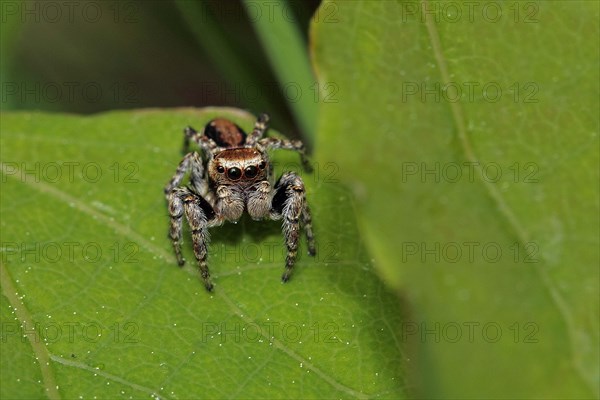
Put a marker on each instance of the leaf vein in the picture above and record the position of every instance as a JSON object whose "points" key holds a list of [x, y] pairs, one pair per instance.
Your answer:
{"points": [[106, 375], [39, 349], [504, 208]]}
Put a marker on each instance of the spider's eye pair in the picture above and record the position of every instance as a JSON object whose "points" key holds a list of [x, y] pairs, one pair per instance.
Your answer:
{"points": [[234, 173]]}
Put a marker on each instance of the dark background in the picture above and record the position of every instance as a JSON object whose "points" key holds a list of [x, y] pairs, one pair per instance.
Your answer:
{"points": [[95, 56]]}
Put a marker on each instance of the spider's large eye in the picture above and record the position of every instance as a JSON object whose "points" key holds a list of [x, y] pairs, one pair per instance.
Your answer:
{"points": [[220, 169], [250, 172], [234, 173]]}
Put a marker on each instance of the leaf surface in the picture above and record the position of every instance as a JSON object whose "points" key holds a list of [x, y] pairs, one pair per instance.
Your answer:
{"points": [[470, 140], [94, 305]]}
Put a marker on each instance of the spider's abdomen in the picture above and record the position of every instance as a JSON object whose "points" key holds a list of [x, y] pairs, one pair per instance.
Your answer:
{"points": [[225, 133]]}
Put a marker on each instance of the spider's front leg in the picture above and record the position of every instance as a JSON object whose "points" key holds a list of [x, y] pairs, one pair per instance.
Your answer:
{"points": [[296, 145], [200, 215], [191, 162], [289, 203], [190, 134], [260, 127]]}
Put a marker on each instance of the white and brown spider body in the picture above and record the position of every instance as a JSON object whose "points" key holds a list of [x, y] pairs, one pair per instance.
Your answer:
{"points": [[236, 176]]}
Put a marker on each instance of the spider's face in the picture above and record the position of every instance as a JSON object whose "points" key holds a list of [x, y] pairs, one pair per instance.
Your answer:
{"points": [[241, 166]]}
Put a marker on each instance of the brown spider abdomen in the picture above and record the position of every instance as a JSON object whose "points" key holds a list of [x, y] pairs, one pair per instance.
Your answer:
{"points": [[225, 133]]}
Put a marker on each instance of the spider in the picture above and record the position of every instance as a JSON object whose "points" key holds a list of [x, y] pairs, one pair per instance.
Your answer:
{"points": [[234, 176]]}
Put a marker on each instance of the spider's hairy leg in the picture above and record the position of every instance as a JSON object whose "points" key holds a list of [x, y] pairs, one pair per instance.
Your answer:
{"points": [[193, 162], [296, 145], [196, 210], [176, 213], [188, 134], [307, 222], [260, 127], [289, 202], [206, 143], [199, 214]]}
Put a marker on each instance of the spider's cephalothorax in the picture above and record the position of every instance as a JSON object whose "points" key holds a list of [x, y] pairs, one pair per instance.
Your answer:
{"points": [[234, 176]]}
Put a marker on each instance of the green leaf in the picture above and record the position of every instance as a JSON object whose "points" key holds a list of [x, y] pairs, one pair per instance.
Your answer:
{"points": [[93, 304], [9, 31], [288, 56], [469, 136], [216, 41], [228, 42]]}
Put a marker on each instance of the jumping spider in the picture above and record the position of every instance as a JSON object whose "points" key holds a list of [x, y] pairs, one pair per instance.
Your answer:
{"points": [[236, 176]]}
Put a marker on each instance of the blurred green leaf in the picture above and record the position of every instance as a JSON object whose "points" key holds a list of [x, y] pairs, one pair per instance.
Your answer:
{"points": [[215, 41], [225, 42], [90, 284], [9, 30], [470, 140], [289, 57]]}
